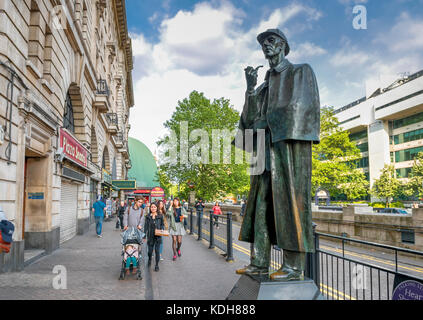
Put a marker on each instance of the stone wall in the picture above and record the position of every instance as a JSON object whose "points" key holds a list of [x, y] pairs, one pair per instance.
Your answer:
{"points": [[360, 222]]}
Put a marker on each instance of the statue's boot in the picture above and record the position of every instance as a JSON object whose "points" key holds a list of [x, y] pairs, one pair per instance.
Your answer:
{"points": [[287, 274], [253, 270], [292, 267]]}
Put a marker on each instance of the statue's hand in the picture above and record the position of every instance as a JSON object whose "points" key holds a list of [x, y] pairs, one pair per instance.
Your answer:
{"points": [[251, 77]]}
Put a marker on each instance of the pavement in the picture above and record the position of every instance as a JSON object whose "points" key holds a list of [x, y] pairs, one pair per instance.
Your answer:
{"points": [[89, 268]]}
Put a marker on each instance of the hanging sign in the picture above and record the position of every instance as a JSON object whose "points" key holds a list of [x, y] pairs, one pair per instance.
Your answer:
{"points": [[72, 149]]}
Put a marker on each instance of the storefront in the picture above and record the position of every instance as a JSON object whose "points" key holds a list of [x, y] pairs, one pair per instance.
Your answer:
{"points": [[74, 174], [157, 194], [145, 192], [125, 187], [106, 184]]}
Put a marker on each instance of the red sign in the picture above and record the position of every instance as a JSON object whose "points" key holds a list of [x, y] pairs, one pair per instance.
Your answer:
{"points": [[72, 148], [157, 191], [142, 191]]}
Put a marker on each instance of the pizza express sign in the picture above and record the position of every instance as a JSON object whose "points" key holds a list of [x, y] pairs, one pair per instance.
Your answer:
{"points": [[72, 148]]}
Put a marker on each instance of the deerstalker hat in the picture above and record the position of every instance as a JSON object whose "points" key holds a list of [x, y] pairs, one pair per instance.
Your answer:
{"points": [[262, 36]]}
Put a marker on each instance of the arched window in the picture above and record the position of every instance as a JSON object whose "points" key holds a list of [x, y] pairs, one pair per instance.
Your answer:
{"points": [[68, 121], [103, 162]]}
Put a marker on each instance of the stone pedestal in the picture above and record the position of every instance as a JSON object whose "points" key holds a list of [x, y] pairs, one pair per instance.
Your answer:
{"points": [[261, 288]]}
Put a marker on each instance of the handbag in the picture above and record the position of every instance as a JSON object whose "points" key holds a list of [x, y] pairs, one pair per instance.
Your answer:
{"points": [[160, 233]]}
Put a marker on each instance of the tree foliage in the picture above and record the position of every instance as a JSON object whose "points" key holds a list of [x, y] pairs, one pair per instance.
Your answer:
{"points": [[335, 159], [387, 186], [414, 187], [211, 180]]}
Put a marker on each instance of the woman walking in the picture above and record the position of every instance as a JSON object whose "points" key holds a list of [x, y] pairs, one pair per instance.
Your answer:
{"points": [[216, 213], [153, 221], [176, 213], [162, 210]]}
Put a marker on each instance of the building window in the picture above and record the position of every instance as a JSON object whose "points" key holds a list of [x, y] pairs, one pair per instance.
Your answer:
{"points": [[408, 136], [403, 172], [409, 120], [361, 163], [407, 154], [68, 121], [364, 147], [358, 135]]}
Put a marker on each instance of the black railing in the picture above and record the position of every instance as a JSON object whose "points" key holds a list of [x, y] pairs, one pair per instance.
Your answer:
{"points": [[355, 273], [216, 229], [342, 268]]}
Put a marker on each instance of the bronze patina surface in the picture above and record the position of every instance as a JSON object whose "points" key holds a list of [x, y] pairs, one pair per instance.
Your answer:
{"points": [[278, 208]]}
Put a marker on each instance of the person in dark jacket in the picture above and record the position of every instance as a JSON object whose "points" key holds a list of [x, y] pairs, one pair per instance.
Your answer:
{"points": [[154, 220], [120, 212]]}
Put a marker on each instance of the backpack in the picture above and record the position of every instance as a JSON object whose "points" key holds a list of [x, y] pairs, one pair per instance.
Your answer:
{"points": [[6, 231]]}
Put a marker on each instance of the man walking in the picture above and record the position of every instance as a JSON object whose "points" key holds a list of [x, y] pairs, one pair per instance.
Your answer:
{"points": [[98, 209], [134, 215]]}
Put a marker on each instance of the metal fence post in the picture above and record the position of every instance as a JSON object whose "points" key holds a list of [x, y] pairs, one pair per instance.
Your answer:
{"points": [[316, 259], [211, 246], [199, 220], [309, 265], [191, 224], [229, 249]]}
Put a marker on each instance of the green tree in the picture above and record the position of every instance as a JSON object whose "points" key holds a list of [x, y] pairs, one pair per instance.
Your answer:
{"points": [[211, 180], [414, 187], [164, 181], [335, 160], [387, 186]]}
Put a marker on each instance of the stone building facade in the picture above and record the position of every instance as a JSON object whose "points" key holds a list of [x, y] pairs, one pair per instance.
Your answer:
{"points": [[65, 98]]}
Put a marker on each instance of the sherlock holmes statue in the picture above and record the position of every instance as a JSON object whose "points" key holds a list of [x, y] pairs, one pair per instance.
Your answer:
{"points": [[278, 209]]}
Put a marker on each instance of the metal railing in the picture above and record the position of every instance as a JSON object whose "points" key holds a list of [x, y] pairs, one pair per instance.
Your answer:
{"points": [[344, 274], [340, 266], [216, 229]]}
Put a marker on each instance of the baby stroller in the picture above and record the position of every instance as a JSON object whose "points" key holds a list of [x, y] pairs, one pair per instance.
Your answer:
{"points": [[131, 249]]}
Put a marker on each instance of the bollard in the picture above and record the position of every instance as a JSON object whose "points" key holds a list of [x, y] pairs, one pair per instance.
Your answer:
{"points": [[191, 224], [211, 246], [229, 249], [199, 221]]}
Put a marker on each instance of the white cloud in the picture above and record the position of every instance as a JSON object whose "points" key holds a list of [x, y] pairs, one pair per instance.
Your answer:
{"points": [[306, 50], [349, 57], [405, 35], [205, 50]]}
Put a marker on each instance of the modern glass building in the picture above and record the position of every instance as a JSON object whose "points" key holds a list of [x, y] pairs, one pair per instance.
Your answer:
{"points": [[387, 124]]}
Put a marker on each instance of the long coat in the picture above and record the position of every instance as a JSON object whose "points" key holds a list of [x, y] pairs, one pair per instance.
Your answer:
{"points": [[287, 106]]}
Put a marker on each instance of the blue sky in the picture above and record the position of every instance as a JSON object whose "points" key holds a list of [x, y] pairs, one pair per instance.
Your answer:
{"points": [[185, 45]]}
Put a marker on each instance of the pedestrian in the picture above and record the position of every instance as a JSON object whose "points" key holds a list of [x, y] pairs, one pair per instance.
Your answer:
{"points": [[114, 206], [154, 220], [162, 210], [176, 213], [108, 208], [120, 213], [243, 205], [134, 215], [216, 213], [98, 209]]}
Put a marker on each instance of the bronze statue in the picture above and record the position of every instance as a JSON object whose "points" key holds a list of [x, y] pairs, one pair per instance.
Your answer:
{"points": [[278, 208]]}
